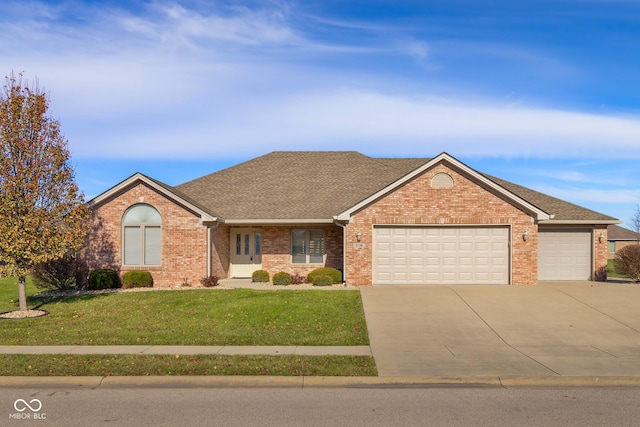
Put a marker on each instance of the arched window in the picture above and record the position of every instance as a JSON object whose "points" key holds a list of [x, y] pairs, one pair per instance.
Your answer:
{"points": [[142, 236]]}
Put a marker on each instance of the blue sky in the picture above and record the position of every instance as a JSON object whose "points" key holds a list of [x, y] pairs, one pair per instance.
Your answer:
{"points": [[543, 93]]}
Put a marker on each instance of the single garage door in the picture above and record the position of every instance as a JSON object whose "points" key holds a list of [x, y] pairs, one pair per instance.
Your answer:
{"points": [[441, 255], [564, 255]]}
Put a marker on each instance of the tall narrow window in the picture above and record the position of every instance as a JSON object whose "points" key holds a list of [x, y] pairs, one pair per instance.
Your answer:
{"points": [[142, 236], [307, 246], [258, 244]]}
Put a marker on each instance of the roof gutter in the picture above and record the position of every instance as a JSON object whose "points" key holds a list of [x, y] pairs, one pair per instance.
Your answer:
{"points": [[580, 222], [260, 221]]}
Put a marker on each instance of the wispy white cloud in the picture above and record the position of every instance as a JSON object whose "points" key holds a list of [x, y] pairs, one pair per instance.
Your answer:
{"points": [[591, 195], [177, 81]]}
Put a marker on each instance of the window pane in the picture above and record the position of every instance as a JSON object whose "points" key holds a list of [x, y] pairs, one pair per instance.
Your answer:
{"points": [[316, 246], [246, 244], [238, 237], [132, 245], [142, 214], [152, 246], [298, 246], [612, 247]]}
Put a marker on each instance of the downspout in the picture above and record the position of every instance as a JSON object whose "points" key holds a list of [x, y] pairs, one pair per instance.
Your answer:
{"points": [[344, 250]]}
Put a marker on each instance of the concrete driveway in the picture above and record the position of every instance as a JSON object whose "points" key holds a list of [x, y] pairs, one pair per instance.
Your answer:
{"points": [[550, 329]]}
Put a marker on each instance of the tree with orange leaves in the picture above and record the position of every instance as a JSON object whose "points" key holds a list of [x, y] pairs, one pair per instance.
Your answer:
{"points": [[42, 212]]}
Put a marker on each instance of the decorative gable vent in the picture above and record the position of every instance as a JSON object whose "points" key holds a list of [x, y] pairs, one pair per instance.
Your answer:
{"points": [[442, 180]]}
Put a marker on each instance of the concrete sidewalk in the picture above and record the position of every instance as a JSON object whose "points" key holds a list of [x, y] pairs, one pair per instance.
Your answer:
{"points": [[562, 329], [189, 350]]}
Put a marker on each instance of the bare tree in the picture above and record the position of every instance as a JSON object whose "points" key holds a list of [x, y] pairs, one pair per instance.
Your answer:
{"points": [[42, 212], [635, 223]]}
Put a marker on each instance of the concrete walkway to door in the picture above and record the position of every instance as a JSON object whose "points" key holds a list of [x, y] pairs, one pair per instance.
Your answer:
{"points": [[550, 329]]}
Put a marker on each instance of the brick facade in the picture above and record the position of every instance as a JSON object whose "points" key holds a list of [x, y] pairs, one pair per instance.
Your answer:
{"points": [[276, 249], [184, 238], [417, 203], [601, 253]]}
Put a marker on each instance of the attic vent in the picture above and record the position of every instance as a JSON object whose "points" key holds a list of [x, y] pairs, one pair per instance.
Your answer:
{"points": [[442, 180]]}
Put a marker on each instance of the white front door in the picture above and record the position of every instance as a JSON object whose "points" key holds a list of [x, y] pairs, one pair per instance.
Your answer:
{"points": [[246, 251]]}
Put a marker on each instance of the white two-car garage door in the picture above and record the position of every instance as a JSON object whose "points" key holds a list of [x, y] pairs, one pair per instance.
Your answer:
{"points": [[441, 255], [564, 255]]}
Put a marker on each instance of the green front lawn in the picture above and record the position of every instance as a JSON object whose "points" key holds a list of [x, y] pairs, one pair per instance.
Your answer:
{"points": [[142, 365], [186, 317], [191, 317], [9, 293]]}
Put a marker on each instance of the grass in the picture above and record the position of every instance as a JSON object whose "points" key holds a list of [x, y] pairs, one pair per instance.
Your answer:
{"points": [[186, 317], [193, 317], [9, 293], [113, 365], [611, 271]]}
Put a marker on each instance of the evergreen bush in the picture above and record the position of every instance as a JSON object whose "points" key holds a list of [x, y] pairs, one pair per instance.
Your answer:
{"points": [[322, 281], [104, 278], [281, 279], [260, 276], [137, 279], [334, 274]]}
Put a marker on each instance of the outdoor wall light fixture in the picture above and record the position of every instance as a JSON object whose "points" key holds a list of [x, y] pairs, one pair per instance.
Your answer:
{"points": [[601, 238], [525, 235], [358, 237]]}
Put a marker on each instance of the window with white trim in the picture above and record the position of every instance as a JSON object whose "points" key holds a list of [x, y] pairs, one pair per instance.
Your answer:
{"points": [[307, 246], [142, 236]]}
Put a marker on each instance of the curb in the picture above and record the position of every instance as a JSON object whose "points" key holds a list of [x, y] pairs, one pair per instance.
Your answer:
{"points": [[93, 382]]}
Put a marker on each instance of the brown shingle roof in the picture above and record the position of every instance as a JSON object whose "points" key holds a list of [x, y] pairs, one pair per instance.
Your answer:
{"points": [[295, 185], [318, 185], [615, 232], [561, 210]]}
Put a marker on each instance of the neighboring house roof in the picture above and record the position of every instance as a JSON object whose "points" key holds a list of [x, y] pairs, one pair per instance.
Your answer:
{"points": [[617, 233], [290, 186]]}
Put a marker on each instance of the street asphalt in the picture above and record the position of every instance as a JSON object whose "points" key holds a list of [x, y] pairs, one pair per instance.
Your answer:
{"points": [[549, 334]]}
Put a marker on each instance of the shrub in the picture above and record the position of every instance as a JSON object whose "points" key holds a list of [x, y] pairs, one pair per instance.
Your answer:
{"points": [[104, 278], [334, 274], [297, 279], [322, 281], [137, 279], [210, 281], [281, 279], [627, 262], [260, 276], [60, 274]]}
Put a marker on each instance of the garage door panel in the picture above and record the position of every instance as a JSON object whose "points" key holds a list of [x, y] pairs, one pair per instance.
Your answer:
{"points": [[564, 255], [442, 255]]}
